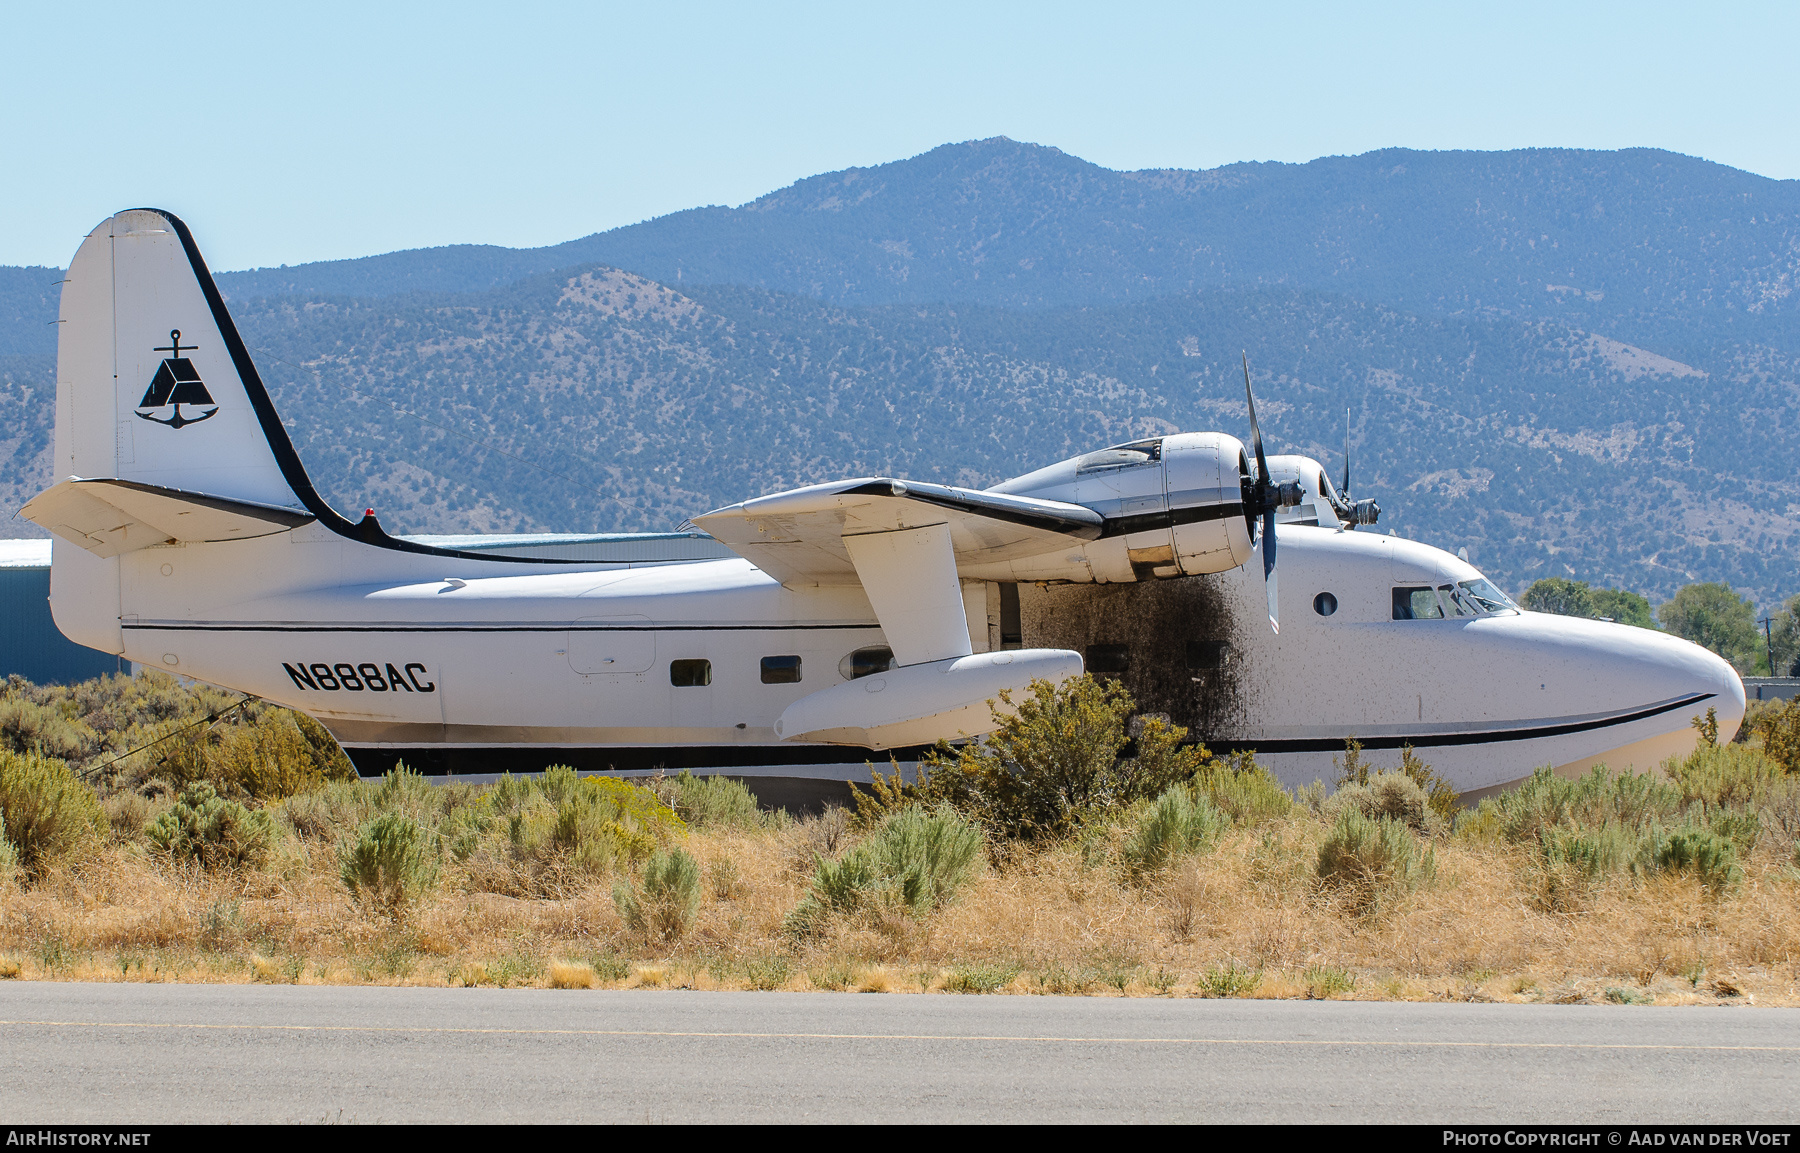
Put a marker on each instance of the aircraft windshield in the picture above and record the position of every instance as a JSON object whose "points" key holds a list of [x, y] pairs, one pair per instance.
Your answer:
{"points": [[1488, 598]]}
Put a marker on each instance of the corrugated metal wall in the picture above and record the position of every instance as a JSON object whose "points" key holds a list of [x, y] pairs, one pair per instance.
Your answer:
{"points": [[30, 644]]}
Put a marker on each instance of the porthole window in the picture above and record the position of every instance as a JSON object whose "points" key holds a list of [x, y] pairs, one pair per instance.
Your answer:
{"points": [[690, 674], [1325, 604], [781, 670], [866, 662]]}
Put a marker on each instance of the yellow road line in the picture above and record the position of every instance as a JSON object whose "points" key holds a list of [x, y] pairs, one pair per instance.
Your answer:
{"points": [[725, 1035]]}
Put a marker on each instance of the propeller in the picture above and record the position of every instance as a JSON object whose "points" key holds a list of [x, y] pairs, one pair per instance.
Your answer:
{"points": [[1261, 498], [1352, 512]]}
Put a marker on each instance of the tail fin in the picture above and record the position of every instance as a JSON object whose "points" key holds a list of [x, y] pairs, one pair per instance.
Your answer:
{"points": [[154, 384]]}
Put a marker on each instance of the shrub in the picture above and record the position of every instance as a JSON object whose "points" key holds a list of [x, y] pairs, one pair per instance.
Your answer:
{"points": [[1392, 795], [556, 830], [914, 862], [1372, 860], [1703, 854], [1229, 981], [391, 863], [712, 800], [1731, 776], [9, 856], [1437, 793], [1180, 822], [1248, 794], [1054, 761], [1633, 801], [665, 906], [1779, 728], [47, 810], [220, 834]]}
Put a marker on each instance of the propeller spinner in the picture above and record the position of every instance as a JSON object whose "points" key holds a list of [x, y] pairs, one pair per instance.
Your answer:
{"points": [[1261, 498]]}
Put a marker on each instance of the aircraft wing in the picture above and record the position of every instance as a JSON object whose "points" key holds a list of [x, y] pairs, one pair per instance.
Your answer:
{"points": [[798, 537]]}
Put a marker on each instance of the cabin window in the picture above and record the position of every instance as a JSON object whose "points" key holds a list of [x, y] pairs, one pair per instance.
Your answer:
{"points": [[1113, 659], [1416, 604], [866, 662], [1325, 604], [1205, 656], [690, 674], [781, 670]]}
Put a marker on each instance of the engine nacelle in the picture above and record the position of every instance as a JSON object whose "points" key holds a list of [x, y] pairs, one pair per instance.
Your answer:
{"points": [[921, 704], [1174, 506]]}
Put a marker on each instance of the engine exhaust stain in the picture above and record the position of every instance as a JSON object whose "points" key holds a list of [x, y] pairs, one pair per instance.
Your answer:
{"points": [[1180, 650]]}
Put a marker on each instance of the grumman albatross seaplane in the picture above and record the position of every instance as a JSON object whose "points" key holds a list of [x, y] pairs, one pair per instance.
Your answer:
{"points": [[859, 616]]}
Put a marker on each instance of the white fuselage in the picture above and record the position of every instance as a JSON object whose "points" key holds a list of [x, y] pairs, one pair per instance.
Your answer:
{"points": [[494, 655]]}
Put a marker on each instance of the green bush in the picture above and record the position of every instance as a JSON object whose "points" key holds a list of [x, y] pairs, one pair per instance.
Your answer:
{"points": [[714, 800], [392, 861], [1181, 822], [1248, 794], [1632, 801], [47, 811], [9, 856], [1054, 761], [668, 900], [539, 836], [1388, 794], [1590, 854], [220, 834], [1702, 853], [1728, 776], [1779, 728], [914, 862], [1373, 860]]}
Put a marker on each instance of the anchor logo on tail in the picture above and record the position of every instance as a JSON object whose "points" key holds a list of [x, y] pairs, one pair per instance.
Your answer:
{"points": [[176, 383]]}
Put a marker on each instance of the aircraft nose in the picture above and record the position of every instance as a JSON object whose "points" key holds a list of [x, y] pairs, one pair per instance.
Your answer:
{"points": [[1687, 668]]}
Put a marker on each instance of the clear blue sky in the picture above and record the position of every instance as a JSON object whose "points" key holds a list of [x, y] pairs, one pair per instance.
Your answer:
{"points": [[328, 130]]}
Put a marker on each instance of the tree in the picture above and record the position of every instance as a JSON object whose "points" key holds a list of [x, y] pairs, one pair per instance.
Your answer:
{"points": [[1714, 617], [1571, 598], [1628, 608], [1565, 598]]}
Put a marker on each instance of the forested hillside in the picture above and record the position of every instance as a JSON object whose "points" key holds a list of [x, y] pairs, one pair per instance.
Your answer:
{"points": [[1582, 367]]}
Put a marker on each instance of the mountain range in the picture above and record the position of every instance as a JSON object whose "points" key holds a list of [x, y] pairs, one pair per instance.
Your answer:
{"points": [[1567, 362]]}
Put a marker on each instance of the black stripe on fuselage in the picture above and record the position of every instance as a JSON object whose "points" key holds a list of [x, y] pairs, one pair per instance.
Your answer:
{"points": [[1484, 737], [437, 760]]}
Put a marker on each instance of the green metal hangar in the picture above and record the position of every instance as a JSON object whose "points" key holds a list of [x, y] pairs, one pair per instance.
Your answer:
{"points": [[30, 645]]}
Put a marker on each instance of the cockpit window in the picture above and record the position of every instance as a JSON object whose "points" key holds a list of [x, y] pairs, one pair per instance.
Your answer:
{"points": [[1489, 598], [1416, 604], [1120, 456], [1458, 603]]}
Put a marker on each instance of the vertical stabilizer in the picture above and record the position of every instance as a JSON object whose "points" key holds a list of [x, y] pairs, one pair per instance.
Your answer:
{"points": [[151, 373]]}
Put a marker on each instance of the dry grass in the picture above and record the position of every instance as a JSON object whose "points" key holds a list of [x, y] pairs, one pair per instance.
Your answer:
{"points": [[1245, 919]]}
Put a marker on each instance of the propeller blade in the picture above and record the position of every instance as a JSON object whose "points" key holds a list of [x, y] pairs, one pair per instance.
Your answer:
{"points": [[1346, 485], [1268, 551], [1262, 463]]}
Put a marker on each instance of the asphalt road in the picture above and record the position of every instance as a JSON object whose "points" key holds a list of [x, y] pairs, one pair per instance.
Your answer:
{"points": [[72, 1053]]}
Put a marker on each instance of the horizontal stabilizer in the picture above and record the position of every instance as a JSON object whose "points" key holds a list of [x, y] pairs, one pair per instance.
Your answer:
{"points": [[110, 517], [797, 537]]}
